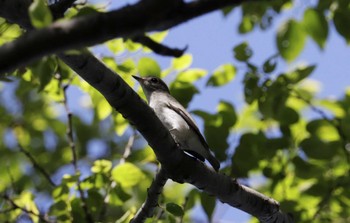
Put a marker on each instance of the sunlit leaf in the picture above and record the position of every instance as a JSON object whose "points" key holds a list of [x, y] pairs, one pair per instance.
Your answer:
{"points": [[116, 45], [39, 14], [121, 124], [316, 26], [103, 109], [182, 62], [191, 75], [222, 75], [148, 67], [101, 166], [246, 25], [290, 40], [159, 36], [323, 129], [127, 175]]}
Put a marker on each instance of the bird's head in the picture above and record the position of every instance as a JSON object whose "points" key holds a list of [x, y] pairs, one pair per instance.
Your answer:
{"points": [[151, 84]]}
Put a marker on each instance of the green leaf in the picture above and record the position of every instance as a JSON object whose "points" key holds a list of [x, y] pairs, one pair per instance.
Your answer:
{"points": [[101, 166], [222, 75], [208, 204], [148, 67], [120, 123], [116, 45], [287, 116], [95, 201], [228, 113], [252, 90], [183, 92], [242, 52], [103, 109], [159, 36], [316, 26], [341, 21], [270, 64], [246, 25], [315, 148], [323, 129], [132, 46], [174, 209], [182, 62], [40, 14], [45, 70], [248, 149], [191, 75], [127, 175], [333, 106], [86, 10], [299, 74], [145, 155], [306, 170], [290, 40], [192, 196]]}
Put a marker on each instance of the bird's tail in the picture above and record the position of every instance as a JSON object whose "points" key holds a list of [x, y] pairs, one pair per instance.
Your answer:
{"points": [[213, 162]]}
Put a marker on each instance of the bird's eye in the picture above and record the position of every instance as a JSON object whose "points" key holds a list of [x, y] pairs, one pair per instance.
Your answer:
{"points": [[154, 80]]}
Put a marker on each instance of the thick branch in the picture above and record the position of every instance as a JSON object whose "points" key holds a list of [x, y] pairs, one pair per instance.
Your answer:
{"points": [[179, 166], [152, 199], [128, 22], [159, 48]]}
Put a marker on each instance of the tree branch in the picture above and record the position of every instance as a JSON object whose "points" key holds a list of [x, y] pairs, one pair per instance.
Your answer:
{"points": [[42, 218], [151, 202], [159, 48], [87, 214], [127, 22], [179, 166], [37, 166]]}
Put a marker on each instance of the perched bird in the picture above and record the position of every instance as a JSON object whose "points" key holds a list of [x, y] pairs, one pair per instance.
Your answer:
{"points": [[176, 119]]}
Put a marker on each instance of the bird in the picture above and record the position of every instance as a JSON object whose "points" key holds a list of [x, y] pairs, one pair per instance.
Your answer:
{"points": [[176, 119]]}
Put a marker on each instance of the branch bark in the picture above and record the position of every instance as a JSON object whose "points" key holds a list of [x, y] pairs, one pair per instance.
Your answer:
{"points": [[127, 22], [152, 199], [179, 166]]}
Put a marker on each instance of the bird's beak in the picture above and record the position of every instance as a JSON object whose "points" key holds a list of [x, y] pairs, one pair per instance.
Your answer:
{"points": [[139, 79]]}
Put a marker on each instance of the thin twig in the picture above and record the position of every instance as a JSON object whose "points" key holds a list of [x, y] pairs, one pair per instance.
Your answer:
{"points": [[88, 216], [152, 198], [43, 218], [128, 146], [36, 165], [159, 48]]}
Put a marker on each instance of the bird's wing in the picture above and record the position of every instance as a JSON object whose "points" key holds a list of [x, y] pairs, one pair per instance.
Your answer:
{"points": [[184, 114]]}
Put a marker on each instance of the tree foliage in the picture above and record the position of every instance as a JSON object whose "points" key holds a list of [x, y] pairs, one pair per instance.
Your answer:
{"points": [[67, 156]]}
